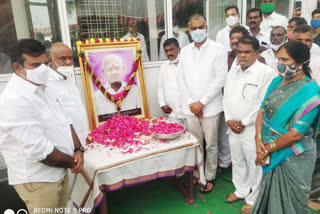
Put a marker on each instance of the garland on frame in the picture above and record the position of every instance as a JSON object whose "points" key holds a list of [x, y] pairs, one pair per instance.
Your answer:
{"points": [[119, 97]]}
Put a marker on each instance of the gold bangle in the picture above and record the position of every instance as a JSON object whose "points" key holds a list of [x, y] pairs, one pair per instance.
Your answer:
{"points": [[273, 146], [259, 136]]}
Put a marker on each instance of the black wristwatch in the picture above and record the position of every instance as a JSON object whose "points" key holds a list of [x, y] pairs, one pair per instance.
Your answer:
{"points": [[81, 149]]}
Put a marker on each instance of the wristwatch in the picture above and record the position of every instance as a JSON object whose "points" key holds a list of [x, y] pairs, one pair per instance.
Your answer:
{"points": [[81, 149]]}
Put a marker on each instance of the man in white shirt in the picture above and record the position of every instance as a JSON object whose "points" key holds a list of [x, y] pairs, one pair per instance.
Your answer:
{"points": [[36, 139], [232, 19], [277, 38], [201, 72], [63, 92], [304, 34], [133, 33], [254, 16], [270, 17], [244, 91], [169, 94], [113, 70], [178, 34]]}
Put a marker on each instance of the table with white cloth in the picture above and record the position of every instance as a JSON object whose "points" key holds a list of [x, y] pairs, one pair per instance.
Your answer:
{"points": [[109, 168]]}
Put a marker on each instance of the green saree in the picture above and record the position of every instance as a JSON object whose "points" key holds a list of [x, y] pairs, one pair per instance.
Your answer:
{"points": [[286, 182]]}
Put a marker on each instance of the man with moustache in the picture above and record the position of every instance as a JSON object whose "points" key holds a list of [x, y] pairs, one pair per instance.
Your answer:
{"points": [[254, 16], [277, 38], [244, 91], [201, 72], [169, 94], [235, 34]]}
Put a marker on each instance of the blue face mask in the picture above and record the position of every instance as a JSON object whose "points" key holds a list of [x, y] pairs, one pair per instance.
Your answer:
{"points": [[287, 71], [198, 35], [315, 23]]}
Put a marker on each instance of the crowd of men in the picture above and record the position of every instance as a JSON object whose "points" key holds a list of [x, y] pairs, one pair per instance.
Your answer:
{"points": [[213, 88]]}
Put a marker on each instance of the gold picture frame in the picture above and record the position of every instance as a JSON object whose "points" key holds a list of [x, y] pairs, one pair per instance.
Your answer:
{"points": [[108, 65]]}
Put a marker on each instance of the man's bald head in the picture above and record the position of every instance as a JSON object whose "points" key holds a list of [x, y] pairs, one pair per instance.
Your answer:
{"points": [[60, 55]]}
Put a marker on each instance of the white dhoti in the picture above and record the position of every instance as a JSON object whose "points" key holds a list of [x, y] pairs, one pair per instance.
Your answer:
{"points": [[207, 128], [223, 141], [246, 176]]}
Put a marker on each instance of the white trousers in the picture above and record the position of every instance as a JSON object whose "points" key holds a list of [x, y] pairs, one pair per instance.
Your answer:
{"points": [[207, 128], [223, 141], [246, 176]]}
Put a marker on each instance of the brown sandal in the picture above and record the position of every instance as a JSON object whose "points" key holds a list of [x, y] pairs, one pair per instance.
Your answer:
{"points": [[246, 209], [231, 198]]}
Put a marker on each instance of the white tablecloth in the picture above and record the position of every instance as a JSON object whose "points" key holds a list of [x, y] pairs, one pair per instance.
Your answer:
{"points": [[108, 169]]}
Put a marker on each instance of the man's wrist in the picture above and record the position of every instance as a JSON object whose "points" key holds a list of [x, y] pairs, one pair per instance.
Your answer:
{"points": [[80, 148]]}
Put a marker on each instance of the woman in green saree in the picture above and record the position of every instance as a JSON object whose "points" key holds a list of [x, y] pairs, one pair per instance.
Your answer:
{"points": [[286, 128]]}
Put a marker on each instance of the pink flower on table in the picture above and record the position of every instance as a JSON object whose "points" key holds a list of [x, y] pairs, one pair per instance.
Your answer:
{"points": [[166, 128]]}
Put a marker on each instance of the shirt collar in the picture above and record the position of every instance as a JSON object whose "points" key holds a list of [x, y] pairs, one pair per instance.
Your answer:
{"points": [[250, 69], [54, 74], [272, 15], [203, 45]]}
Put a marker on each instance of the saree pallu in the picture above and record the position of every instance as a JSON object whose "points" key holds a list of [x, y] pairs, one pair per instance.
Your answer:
{"points": [[286, 181]]}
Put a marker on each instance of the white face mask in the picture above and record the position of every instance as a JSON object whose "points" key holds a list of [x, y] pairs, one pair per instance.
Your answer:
{"points": [[176, 60], [66, 71], [198, 35], [37, 75], [276, 47], [232, 20]]}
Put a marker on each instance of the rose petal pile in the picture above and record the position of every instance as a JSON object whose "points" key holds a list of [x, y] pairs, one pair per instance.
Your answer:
{"points": [[120, 132], [166, 128]]}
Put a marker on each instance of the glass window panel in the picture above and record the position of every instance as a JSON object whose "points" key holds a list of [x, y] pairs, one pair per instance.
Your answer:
{"points": [[26, 19], [117, 19]]}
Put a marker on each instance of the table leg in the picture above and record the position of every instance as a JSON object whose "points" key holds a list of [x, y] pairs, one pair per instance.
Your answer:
{"points": [[103, 204], [187, 189]]}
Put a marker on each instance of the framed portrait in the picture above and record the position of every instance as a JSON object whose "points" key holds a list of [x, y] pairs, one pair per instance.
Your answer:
{"points": [[113, 79]]}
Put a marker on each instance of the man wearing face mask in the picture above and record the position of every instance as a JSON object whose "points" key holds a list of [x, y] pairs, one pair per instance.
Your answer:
{"points": [[315, 23], [232, 19], [304, 34], [64, 94], [270, 17], [169, 94], [277, 38], [254, 16], [37, 141], [201, 75], [177, 34]]}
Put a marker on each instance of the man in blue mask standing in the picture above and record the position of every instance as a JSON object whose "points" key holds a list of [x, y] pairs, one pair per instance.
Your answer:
{"points": [[202, 73], [315, 23], [270, 17]]}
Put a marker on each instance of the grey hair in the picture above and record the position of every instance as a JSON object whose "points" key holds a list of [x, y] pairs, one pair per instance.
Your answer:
{"points": [[197, 16], [111, 57]]}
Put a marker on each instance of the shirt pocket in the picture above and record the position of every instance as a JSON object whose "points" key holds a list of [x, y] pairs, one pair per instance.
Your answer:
{"points": [[250, 92]]}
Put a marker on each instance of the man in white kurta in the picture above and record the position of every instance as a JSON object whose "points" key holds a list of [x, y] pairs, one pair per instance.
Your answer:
{"points": [[64, 94], [232, 19], [244, 91], [169, 94], [201, 72], [133, 33], [271, 18], [277, 38]]}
